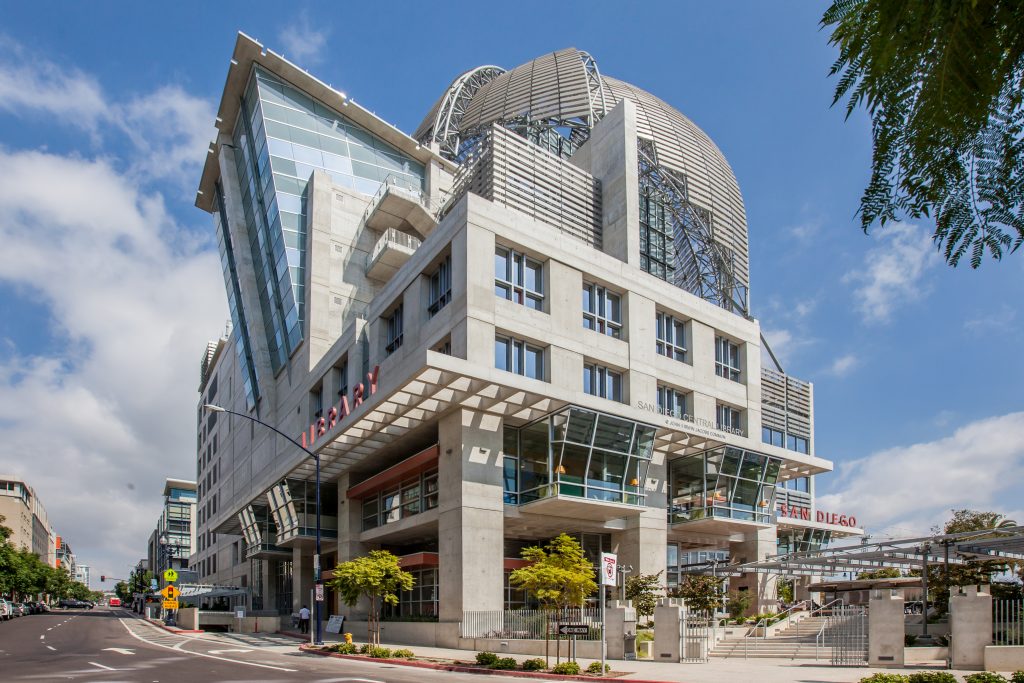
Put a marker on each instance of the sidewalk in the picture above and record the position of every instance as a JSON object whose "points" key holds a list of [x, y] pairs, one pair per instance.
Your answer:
{"points": [[714, 671]]}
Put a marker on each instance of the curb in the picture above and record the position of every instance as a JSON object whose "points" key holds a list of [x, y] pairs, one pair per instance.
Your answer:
{"points": [[169, 629], [459, 668]]}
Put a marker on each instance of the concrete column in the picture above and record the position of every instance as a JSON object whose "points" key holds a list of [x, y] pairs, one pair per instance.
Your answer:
{"points": [[620, 620], [471, 517], [757, 544], [668, 615], [970, 622], [302, 578], [885, 628], [642, 544], [350, 520]]}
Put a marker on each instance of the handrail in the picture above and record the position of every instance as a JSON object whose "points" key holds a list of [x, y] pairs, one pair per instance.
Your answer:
{"points": [[392, 180], [398, 237], [788, 612], [820, 638]]}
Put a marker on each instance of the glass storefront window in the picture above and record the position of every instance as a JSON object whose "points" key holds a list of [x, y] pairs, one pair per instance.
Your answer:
{"points": [[411, 497], [725, 482]]}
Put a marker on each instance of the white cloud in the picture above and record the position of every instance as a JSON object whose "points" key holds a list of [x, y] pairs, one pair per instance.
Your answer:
{"points": [[169, 129], [893, 272], [995, 321], [843, 365], [304, 44], [908, 490], [135, 306]]}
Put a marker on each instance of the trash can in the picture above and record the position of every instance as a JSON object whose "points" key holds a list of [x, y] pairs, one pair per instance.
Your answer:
{"points": [[629, 646]]}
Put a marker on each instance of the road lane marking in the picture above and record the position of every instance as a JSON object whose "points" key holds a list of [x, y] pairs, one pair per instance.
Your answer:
{"points": [[234, 649], [41, 637], [103, 667], [51, 647], [133, 634], [120, 650]]}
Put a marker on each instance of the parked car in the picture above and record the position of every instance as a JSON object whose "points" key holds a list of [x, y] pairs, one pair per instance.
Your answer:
{"points": [[17, 609], [6, 611]]}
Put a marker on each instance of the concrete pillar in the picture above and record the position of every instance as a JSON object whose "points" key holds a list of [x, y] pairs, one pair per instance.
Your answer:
{"points": [[885, 628], [970, 622], [471, 514], [757, 544], [641, 545], [350, 520], [620, 620], [302, 578], [668, 633]]}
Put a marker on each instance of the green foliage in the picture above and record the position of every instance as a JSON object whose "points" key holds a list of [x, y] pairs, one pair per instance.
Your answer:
{"points": [[486, 658], [644, 590], [883, 573], [1017, 677], [595, 668], [739, 603], [559, 575], [943, 84], [909, 639], [365, 649], [566, 669], [377, 576], [505, 664], [884, 678], [538, 665], [346, 648], [700, 592], [403, 653], [985, 677], [378, 652], [784, 590], [931, 677]]}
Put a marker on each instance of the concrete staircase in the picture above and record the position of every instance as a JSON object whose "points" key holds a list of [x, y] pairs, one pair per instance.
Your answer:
{"points": [[793, 640]]}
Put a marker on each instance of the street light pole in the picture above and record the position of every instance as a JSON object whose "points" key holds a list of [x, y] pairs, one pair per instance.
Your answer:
{"points": [[209, 407]]}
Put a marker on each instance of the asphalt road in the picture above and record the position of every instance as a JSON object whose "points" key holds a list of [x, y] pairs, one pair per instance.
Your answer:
{"points": [[101, 645]]}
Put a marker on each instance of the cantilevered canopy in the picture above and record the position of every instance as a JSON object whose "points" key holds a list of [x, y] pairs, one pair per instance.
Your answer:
{"points": [[907, 553]]}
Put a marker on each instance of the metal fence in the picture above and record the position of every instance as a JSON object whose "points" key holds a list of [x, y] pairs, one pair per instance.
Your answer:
{"points": [[528, 624], [1008, 622], [844, 636]]}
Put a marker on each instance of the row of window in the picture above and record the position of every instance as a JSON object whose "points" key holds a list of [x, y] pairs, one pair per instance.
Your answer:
{"points": [[777, 437], [410, 497]]}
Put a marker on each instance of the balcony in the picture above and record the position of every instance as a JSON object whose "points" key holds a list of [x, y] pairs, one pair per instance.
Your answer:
{"points": [[398, 206], [390, 253]]}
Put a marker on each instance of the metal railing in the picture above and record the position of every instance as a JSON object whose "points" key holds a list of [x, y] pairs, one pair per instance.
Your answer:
{"points": [[401, 183], [402, 239], [763, 625], [527, 624], [1008, 622], [844, 634]]}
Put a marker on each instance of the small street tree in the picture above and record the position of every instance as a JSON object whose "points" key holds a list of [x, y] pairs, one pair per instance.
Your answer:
{"points": [[559, 575], [701, 592], [643, 590], [739, 603], [377, 576]]}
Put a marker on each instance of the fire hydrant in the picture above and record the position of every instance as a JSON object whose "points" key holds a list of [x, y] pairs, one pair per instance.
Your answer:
{"points": [[348, 638]]}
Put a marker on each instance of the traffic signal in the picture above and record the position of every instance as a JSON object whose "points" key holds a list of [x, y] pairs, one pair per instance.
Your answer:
{"points": [[103, 578]]}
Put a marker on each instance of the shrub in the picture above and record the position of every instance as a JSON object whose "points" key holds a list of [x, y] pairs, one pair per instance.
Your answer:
{"points": [[595, 668], [506, 663], [486, 658], [985, 677], [884, 678], [346, 648], [538, 665], [364, 649], [932, 677], [1017, 677], [566, 669], [380, 652], [403, 654], [909, 639]]}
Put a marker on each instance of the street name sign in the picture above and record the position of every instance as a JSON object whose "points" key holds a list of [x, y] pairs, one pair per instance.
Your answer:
{"points": [[573, 629]]}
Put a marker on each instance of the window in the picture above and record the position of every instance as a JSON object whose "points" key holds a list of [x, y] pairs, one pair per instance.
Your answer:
{"points": [[657, 250], [440, 289], [600, 381], [394, 331], [341, 377], [317, 401], [728, 418], [671, 401], [796, 443], [515, 355], [518, 278], [602, 311], [775, 437], [411, 497], [671, 333], [727, 359]]}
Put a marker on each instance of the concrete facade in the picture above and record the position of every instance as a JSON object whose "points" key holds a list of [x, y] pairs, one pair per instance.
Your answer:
{"points": [[428, 444], [885, 628], [970, 626], [26, 517]]}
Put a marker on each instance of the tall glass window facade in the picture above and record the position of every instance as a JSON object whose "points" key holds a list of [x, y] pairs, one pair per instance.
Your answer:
{"points": [[282, 136], [657, 249], [725, 482]]}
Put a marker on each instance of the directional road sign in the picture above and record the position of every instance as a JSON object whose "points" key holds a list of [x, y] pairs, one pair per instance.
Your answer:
{"points": [[170, 604], [170, 576], [170, 593], [573, 629]]}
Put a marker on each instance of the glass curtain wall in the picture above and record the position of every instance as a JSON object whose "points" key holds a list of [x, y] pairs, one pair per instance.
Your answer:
{"points": [[293, 509], [802, 540], [282, 136], [578, 452], [726, 482]]}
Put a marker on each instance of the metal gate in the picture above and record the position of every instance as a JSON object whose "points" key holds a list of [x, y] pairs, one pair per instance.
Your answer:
{"points": [[696, 631], [1008, 622], [845, 635]]}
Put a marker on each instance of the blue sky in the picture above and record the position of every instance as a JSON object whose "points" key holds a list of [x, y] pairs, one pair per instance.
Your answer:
{"points": [[110, 286]]}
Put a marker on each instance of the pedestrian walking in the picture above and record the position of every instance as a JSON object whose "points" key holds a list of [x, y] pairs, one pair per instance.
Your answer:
{"points": [[304, 619]]}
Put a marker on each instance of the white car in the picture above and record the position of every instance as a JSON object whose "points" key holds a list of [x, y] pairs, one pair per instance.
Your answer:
{"points": [[6, 610]]}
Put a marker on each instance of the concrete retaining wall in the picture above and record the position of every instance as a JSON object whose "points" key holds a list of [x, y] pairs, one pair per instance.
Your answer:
{"points": [[1004, 658], [186, 619], [922, 655], [588, 649]]}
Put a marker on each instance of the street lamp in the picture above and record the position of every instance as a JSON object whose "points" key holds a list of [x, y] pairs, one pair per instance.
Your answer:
{"points": [[209, 407]]}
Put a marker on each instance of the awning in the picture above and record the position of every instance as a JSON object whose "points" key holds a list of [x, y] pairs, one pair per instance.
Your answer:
{"points": [[197, 592]]}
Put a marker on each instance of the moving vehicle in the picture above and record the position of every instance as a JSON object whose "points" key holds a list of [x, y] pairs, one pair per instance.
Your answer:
{"points": [[115, 602]]}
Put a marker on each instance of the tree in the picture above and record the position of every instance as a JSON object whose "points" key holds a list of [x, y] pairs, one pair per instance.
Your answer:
{"points": [[784, 589], [377, 576], [943, 83], [643, 590], [559, 575], [700, 592], [883, 573], [123, 591], [739, 603]]}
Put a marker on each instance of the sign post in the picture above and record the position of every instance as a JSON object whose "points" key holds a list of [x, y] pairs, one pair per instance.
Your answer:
{"points": [[609, 573]]}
